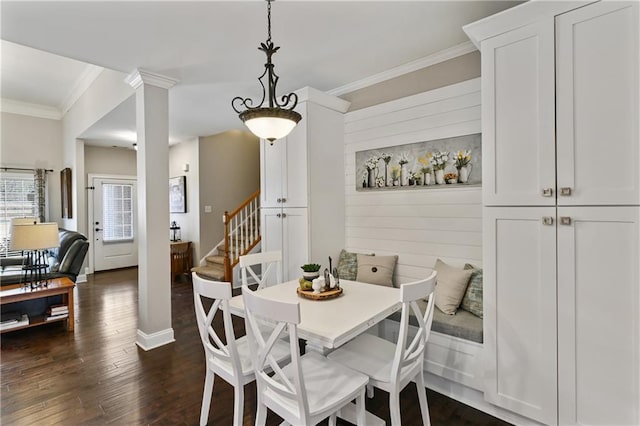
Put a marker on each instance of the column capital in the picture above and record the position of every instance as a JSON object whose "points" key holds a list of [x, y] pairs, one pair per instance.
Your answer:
{"points": [[140, 76]]}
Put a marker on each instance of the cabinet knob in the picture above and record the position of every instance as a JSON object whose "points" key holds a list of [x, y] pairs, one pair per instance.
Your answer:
{"points": [[278, 215], [278, 200], [284, 200], [284, 215], [565, 220], [565, 191], [547, 192], [547, 220]]}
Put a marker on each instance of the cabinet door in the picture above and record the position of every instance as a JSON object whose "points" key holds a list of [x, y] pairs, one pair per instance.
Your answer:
{"points": [[296, 241], [597, 100], [520, 345], [598, 319], [271, 230], [295, 169], [272, 172], [518, 117]]}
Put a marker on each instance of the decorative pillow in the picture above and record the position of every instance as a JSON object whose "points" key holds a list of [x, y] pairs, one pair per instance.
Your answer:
{"points": [[376, 269], [450, 286], [348, 265], [472, 300]]}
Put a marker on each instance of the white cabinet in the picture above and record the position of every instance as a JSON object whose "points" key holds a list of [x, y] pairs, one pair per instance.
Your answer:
{"points": [[598, 315], [518, 119], [302, 185], [561, 87], [287, 230]]}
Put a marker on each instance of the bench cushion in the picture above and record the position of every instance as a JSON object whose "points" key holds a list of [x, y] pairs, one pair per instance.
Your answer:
{"points": [[463, 324]]}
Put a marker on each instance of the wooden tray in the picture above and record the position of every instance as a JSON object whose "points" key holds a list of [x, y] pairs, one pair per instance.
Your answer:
{"points": [[329, 294]]}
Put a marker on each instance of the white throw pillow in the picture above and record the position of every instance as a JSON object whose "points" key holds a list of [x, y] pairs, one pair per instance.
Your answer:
{"points": [[450, 286]]}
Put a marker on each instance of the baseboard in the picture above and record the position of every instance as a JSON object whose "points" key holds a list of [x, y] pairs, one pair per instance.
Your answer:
{"points": [[473, 398], [155, 340], [82, 278]]}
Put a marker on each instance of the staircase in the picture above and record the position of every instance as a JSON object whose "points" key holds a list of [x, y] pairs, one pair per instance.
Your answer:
{"points": [[241, 235]]}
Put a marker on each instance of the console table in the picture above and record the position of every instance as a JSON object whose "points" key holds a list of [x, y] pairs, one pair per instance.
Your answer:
{"points": [[57, 286], [181, 258]]}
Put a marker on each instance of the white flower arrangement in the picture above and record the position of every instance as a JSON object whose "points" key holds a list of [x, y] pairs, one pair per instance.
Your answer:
{"points": [[372, 163], [404, 159], [380, 182], [439, 160], [386, 157]]}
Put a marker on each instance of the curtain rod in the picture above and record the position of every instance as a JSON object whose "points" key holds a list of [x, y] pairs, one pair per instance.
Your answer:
{"points": [[24, 170]]}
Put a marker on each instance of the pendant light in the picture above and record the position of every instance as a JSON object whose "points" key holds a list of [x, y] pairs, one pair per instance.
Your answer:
{"points": [[274, 120]]}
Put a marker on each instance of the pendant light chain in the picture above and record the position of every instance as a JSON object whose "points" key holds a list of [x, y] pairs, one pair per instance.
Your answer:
{"points": [[269, 20]]}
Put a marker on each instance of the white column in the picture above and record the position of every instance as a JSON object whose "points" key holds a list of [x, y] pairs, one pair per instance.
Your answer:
{"points": [[154, 270]]}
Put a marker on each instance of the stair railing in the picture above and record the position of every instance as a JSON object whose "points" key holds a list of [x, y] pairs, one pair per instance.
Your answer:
{"points": [[241, 232]]}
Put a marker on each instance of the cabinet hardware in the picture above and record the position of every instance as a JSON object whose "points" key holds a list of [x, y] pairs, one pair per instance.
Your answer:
{"points": [[565, 220], [565, 191], [284, 200], [278, 215], [547, 220], [547, 192], [284, 215], [278, 200]]}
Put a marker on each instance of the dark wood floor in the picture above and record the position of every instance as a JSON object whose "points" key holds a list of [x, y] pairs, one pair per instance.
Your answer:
{"points": [[97, 375]]}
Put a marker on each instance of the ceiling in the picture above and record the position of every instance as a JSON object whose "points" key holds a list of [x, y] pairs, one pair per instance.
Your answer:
{"points": [[211, 48]]}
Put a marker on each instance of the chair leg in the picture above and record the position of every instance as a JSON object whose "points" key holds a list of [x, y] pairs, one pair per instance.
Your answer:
{"points": [[361, 409], [261, 414], [369, 391], [238, 404], [422, 396], [333, 419], [206, 397], [394, 406]]}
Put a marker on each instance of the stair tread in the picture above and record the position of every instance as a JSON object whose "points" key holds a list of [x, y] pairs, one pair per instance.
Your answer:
{"points": [[213, 272], [215, 259]]}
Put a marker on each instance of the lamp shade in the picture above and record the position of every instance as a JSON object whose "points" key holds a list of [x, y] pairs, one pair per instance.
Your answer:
{"points": [[34, 236], [24, 220], [270, 123]]}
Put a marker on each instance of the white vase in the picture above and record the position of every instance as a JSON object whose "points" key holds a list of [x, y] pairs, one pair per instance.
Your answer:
{"points": [[463, 173], [440, 176]]}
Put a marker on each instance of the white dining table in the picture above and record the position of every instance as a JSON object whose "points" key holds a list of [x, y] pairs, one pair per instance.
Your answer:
{"points": [[328, 324], [331, 323]]}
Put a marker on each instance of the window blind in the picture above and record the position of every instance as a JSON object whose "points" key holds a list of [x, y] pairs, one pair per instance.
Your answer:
{"points": [[17, 199], [117, 206]]}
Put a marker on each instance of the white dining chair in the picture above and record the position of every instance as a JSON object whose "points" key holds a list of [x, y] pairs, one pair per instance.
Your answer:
{"points": [[308, 389], [230, 360], [391, 366], [270, 263]]}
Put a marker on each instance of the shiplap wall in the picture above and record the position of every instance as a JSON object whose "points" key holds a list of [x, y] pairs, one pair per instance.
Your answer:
{"points": [[419, 226]]}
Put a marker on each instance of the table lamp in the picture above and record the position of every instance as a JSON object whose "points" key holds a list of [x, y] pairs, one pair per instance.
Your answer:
{"points": [[33, 239]]}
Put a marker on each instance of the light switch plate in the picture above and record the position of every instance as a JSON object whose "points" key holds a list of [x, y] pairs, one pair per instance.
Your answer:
{"points": [[207, 209]]}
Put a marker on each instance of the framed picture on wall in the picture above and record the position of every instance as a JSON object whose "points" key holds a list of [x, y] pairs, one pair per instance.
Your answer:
{"points": [[178, 194]]}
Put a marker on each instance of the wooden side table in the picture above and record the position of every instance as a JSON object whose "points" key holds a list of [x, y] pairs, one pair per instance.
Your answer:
{"points": [[56, 286], [181, 258]]}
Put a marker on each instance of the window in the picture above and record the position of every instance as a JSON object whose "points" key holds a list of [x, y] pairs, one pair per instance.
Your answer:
{"points": [[117, 205], [17, 199]]}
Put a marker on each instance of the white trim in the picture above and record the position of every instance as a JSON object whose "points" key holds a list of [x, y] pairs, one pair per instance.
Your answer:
{"points": [[309, 94], [34, 110], [140, 76], [427, 61], [82, 278], [86, 79], [154, 340]]}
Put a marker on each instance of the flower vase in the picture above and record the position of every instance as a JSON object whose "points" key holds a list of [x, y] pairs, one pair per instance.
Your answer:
{"points": [[386, 175], [426, 180], [402, 175], [463, 173], [440, 176], [372, 179]]}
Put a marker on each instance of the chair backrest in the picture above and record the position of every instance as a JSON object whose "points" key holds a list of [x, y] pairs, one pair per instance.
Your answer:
{"points": [[269, 261], [285, 316], [220, 293], [410, 354]]}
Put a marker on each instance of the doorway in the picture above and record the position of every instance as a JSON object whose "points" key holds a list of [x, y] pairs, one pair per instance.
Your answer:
{"points": [[113, 224]]}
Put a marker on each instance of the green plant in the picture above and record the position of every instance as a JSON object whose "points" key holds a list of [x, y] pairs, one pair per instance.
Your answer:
{"points": [[310, 267]]}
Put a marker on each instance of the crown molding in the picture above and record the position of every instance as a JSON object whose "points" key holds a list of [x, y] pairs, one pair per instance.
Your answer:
{"points": [[427, 61], [86, 79], [34, 110], [140, 76], [316, 96]]}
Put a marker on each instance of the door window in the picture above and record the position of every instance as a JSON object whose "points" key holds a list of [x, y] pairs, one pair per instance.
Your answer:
{"points": [[117, 215]]}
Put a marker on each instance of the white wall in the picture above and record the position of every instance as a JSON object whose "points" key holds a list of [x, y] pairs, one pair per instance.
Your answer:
{"points": [[179, 155], [31, 142], [417, 225]]}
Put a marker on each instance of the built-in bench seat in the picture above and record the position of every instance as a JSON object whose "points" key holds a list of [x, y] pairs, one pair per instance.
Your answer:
{"points": [[463, 324]]}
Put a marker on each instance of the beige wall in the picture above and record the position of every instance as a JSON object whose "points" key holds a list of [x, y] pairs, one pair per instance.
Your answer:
{"points": [[445, 73], [30, 142], [179, 155], [229, 173], [109, 161]]}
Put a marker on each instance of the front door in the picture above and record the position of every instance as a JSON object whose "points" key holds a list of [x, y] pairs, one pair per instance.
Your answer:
{"points": [[114, 225]]}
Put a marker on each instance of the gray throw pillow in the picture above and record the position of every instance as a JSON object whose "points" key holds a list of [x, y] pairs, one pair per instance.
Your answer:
{"points": [[472, 300], [450, 286], [376, 269]]}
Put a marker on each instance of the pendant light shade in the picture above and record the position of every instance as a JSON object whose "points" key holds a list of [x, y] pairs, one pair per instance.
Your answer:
{"points": [[271, 119]]}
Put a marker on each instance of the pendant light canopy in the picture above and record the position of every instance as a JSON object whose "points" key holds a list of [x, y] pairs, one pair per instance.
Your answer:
{"points": [[270, 119]]}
